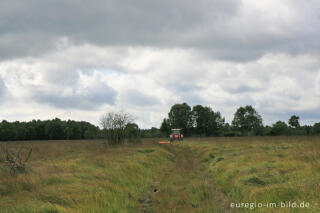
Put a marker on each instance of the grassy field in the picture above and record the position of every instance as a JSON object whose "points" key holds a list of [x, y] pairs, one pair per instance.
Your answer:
{"points": [[197, 175], [265, 170]]}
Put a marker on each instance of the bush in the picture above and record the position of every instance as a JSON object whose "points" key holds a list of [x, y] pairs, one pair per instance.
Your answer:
{"points": [[133, 133], [114, 127], [232, 134], [15, 159]]}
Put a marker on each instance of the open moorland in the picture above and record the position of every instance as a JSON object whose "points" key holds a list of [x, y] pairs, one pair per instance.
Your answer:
{"points": [[195, 175]]}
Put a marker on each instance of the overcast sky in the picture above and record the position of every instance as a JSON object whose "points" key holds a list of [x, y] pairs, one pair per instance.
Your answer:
{"points": [[77, 59]]}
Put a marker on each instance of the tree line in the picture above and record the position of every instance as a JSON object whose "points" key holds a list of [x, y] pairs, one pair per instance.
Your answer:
{"points": [[54, 129], [197, 121], [57, 129], [204, 121]]}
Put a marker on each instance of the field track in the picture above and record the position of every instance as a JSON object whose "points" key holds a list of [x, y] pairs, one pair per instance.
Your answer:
{"points": [[185, 187]]}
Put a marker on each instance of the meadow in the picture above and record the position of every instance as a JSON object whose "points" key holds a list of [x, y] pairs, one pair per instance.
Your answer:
{"points": [[195, 175]]}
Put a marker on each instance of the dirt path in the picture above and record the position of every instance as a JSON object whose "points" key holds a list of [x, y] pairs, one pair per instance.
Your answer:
{"points": [[185, 187]]}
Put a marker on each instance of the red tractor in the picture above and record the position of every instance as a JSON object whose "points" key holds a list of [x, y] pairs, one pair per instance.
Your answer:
{"points": [[176, 135]]}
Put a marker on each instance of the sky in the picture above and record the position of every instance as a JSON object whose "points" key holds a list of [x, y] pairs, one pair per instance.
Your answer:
{"points": [[79, 59]]}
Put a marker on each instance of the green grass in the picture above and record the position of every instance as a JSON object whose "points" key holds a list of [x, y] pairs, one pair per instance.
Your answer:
{"points": [[197, 175], [266, 169], [82, 179]]}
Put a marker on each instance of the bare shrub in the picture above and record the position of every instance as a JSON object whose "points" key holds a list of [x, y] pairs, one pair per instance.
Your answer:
{"points": [[114, 126], [15, 159]]}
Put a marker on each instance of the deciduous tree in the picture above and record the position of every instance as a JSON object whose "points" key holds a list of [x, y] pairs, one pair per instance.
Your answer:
{"points": [[206, 121], [180, 117], [294, 121], [247, 120]]}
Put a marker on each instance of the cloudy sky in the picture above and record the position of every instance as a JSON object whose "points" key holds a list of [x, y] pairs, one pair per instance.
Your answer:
{"points": [[77, 59]]}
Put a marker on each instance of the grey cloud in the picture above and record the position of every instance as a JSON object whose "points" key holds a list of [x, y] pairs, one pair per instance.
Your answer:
{"points": [[2, 89], [183, 85], [31, 28], [193, 99], [242, 89], [61, 77], [22, 44], [137, 98], [225, 30], [79, 98]]}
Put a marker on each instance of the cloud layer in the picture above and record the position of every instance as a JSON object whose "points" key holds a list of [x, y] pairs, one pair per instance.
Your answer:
{"points": [[77, 60]]}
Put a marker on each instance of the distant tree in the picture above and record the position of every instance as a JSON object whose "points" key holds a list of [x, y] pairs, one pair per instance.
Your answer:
{"points": [[114, 126], [267, 130], [155, 132], [228, 131], [91, 132], [226, 127], [279, 128], [206, 121], [73, 130], [55, 130], [180, 117], [294, 121], [247, 120], [40, 127], [316, 128], [306, 130], [26, 130], [200, 120], [145, 133], [7, 131], [165, 127], [132, 133]]}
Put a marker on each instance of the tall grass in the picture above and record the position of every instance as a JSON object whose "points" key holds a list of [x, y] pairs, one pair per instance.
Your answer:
{"points": [[197, 175], [265, 169], [82, 176]]}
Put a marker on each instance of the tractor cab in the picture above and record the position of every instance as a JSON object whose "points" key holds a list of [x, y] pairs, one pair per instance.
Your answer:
{"points": [[176, 135]]}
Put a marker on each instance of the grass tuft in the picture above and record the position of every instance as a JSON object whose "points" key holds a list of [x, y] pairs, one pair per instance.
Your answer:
{"points": [[256, 181], [146, 150], [50, 209], [220, 159]]}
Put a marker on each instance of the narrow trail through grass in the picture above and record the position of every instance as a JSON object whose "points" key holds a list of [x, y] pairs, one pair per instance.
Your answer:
{"points": [[185, 187]]}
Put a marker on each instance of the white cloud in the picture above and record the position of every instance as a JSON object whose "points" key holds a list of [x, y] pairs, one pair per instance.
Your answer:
{"points": [[274, 83]]}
